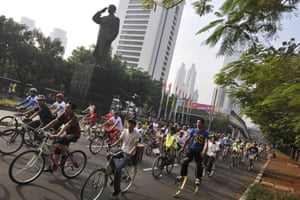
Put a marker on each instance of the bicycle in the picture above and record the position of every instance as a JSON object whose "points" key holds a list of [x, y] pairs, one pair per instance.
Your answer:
{"points": [[234, 160], [10, 121], [29, 165], [98, 142], [12, 139], [209, 166], [97, 181], [251, 158], [226, 151], [164, 160]]}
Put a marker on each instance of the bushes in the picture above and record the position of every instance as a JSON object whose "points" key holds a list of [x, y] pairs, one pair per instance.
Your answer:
{"points": [[260, 192]]}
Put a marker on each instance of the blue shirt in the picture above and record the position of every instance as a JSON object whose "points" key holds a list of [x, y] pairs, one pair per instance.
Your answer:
{"points": [[197, 140]]}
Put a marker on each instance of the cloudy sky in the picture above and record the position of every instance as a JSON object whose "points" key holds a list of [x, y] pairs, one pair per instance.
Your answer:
{"points": [[75, 18]]}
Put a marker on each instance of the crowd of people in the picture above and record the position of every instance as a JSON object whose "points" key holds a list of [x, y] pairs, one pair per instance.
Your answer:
{"points": [[197, 144]]}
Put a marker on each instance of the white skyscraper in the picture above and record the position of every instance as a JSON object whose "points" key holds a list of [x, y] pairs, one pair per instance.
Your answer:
{"points": [[60, 34], [190, 81], [179, 79], [147, 38], [28, 22]]}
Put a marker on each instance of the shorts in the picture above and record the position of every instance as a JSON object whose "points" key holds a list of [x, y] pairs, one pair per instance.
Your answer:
{"points": [[66, 140]]}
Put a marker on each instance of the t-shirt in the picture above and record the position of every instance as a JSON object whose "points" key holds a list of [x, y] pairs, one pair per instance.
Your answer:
{"points": [[45, 114], [113, 120], [212, 148], [197, 140], [74, 128], [129, 139], [61, 105]]}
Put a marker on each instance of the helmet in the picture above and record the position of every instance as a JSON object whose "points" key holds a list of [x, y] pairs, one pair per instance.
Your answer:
{"points": [[60, 95], [33, 90], [41, 97]]}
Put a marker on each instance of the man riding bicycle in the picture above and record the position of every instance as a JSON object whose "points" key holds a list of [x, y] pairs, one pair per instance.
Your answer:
{"points": [[171, 143], [68, 132], [129, 139], [30, 100]]}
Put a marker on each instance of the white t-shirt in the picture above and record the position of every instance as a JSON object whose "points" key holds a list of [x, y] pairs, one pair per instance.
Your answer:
{"points": [[113, 120], [212, 149], [61, 106], [129, 139]]}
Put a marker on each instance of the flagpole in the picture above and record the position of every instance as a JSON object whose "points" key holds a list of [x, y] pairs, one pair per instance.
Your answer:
{"points": [[161, 100]]}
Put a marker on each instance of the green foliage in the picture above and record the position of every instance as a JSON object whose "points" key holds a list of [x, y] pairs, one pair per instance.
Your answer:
{"points": [[258, 191], [30, 57], [265, 83], [238, 23]]}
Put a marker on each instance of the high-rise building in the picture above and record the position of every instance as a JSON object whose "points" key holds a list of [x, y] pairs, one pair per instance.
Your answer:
{"points": [[147, 38], [190, 81], [185, 83], [60, 34], [28, 22], [179, 80], [222, 100]]}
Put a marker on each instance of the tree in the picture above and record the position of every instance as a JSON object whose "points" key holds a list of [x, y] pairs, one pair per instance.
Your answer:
{"points": [[265, 82], [30, 57], [238, 22]]}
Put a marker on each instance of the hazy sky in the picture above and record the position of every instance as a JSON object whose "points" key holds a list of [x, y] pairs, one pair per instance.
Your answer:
{"points": [[75, 17]]}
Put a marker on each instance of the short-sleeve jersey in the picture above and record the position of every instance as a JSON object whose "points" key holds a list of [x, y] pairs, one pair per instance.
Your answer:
{"points": [[197, 140]]}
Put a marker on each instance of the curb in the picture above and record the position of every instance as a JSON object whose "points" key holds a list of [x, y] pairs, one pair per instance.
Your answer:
{"points": [[257, 180]]}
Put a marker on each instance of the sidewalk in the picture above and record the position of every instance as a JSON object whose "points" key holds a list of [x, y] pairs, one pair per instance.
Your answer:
{"points": [[282, 174]]}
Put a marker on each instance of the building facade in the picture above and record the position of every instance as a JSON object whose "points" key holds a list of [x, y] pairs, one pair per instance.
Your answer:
{"points": [[147, 38]]}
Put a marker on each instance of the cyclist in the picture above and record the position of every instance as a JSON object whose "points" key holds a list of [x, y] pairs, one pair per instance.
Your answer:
{"points": [[198, 142], [116, 126], [129, 139], [213, 148], [171, 143], [59, 105], [69, 132], [30, 100], [252, 149], [44, 113]]}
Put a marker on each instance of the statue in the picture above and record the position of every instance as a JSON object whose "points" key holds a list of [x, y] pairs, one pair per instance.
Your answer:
{"points": [[109, 29]]}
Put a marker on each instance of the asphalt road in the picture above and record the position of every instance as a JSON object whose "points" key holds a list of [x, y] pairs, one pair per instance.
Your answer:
{"points": [[226, 183]]}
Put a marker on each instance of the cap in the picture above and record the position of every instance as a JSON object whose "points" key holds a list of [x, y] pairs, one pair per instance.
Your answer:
{"points": [[41, 97], [33, 90], [60, 95]]}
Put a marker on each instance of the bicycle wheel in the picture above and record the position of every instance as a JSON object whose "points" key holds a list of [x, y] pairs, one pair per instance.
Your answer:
{"points": [[10, 141], [96, 144], [74, 164], [94, 185], [8, 122], [148, 150], [26, 167], [128, 176], [29, 137], [157, 167]]}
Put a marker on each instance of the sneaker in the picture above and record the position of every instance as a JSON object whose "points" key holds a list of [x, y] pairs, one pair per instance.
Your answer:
{"points": [[115, 194], [198, 181]]}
